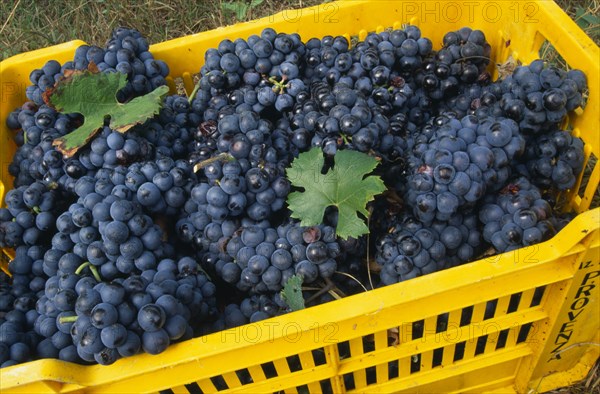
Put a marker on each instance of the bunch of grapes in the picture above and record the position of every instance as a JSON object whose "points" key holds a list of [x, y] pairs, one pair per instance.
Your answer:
{"points": [[517, 216], [180, 226], [553, 160], [126, 52], [537, 96]]}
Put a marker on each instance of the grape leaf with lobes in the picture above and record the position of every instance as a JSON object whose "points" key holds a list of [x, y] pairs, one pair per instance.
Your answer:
{"points": [[93, 95], [346, 187]]}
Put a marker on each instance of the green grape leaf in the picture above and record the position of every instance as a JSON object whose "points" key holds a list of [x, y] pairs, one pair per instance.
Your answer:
{"points": [[292, 293], [346, 187], [93, 95]]}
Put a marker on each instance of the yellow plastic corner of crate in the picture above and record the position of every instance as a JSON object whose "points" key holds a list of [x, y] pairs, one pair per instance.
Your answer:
{"points": [[566, 378]]}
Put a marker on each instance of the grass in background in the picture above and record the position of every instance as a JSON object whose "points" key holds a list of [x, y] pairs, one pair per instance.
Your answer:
{"points": [[28, 24]]}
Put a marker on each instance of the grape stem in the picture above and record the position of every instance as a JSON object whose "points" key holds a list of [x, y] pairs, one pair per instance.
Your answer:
{"points": [[92, 268], [278, 86], [353, 278], [220, 157], [329, 287], [193, 94], [334, 295], [346, 138], [67, 319], [200, 269], [95, 273], [81, 267]]}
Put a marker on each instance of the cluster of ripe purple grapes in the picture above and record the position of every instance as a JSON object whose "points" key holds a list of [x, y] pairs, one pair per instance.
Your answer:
{"points": [[125, 248]]}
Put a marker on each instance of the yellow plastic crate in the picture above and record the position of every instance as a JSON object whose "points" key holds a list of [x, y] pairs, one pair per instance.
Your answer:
{"points": [[544, 332]]}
